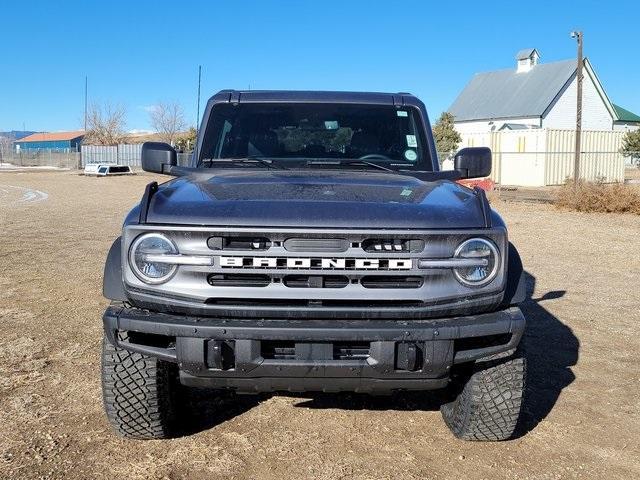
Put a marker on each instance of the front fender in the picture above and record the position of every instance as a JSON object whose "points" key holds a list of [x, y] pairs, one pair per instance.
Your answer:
{"points": [[112, 286], [516, 289]]}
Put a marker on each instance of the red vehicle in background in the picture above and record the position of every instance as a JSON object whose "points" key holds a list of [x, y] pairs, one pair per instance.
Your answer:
{"points": [[485, 183]]}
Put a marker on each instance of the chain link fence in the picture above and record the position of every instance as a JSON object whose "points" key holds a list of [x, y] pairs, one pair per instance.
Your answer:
{"points": [[509, 168], [124, 154], [39, 158]]}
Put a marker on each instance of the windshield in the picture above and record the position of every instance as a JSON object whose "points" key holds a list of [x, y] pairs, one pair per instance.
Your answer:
{"points": [[288, 133]]}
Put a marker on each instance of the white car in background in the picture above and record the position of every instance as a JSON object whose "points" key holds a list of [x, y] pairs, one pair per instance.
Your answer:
{"points": [[103, 170]]}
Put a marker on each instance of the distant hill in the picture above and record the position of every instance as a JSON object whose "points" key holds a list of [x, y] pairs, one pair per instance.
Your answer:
{"points": [[144, 137], [16, 134]]}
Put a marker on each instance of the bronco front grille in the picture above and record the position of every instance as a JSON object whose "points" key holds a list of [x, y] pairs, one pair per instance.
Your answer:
{"points": [[318, 269]]}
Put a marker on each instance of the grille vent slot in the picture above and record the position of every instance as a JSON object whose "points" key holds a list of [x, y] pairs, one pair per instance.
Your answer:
{"points": [[278, 350], [391, 281], [286, 350], [315, 281], [482, 342], [390, 245], [351, 350], [316, 244], [238, 243], [239, 280]]}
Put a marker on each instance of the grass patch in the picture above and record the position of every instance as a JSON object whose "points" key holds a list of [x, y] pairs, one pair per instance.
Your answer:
{"points": [[599, 197]]}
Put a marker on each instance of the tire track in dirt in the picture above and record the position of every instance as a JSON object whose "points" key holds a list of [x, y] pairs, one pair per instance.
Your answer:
{"points": [[11, 194]]}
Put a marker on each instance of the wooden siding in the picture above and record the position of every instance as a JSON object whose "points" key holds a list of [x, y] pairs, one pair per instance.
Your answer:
{"points": [[595, 115]]}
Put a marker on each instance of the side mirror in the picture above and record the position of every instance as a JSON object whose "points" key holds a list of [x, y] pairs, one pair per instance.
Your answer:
{"points": [[473, 162], [158, 157]]}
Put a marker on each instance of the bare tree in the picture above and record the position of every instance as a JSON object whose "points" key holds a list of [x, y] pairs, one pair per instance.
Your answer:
{"points": [[5, 142], [105, 125], [168, 120]]}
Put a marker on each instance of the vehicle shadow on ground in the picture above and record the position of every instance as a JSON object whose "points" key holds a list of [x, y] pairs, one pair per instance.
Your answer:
{"points": [[551, 350], [204, 409]]}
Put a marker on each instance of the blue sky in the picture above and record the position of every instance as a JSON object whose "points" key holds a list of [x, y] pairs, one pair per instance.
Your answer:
{"points": [[139, 53]]}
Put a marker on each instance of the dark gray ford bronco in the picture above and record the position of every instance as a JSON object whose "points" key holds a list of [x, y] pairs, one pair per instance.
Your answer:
{"points": [[313, 245]]}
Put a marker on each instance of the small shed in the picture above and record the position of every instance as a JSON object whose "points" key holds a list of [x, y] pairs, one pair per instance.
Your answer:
{"points": [[56, 141]]}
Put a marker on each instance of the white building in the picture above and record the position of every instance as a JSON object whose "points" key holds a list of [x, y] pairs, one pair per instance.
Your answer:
{"points": [[537, 95]]}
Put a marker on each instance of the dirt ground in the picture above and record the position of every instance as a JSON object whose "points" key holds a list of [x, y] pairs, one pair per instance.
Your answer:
{"points": [[632, 173], [582, 415]]}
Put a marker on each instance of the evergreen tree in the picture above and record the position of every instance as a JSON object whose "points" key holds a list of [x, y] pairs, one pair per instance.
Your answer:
{"points": [[631, 144], [446, 136], [185, 142]]}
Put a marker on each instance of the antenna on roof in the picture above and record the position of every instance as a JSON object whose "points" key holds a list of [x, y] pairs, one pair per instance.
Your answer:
{"points": [[198, 111], [194, 157]]}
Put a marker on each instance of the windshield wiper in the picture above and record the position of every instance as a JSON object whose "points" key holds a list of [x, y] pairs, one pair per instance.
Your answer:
{"points": [[253, 159], [356, 162]]}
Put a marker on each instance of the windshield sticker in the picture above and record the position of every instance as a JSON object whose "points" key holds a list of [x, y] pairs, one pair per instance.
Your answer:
{"points": [[402, 113], [331, 125], [410, 155], [411, 141], [406, 192]]}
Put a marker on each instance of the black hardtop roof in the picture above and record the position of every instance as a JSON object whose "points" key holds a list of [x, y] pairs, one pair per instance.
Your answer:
{"points": [[302, 96]]}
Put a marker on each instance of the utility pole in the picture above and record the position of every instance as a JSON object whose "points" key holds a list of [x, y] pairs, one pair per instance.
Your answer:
{"points": [[576, 161]]}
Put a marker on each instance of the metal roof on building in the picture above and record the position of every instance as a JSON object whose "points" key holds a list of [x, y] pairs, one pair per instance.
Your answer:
{"points": [[525, 53], [515, 126], [508, 94], [625, 115], [52, 136]]}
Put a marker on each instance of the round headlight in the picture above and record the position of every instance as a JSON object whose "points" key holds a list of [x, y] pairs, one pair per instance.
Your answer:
{"points": [[485, 253], [152, 272]]}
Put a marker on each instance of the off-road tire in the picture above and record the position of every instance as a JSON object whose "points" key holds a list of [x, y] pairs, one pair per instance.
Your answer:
{"points": [[139, 392], [488, 406]]}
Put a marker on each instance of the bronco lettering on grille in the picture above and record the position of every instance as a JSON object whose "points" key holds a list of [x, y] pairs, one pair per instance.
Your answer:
{"points": [[317, 263]]}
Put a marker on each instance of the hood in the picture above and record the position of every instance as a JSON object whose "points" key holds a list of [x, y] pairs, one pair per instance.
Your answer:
{"points": [[314, 199]]}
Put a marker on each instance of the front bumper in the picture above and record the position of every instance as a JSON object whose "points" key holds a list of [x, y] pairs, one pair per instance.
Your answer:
{"points": [[253, 355]]}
